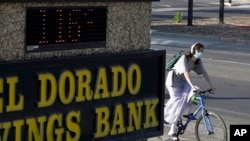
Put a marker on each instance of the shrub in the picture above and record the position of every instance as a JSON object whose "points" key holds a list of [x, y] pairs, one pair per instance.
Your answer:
{"points": [[177, 18]]}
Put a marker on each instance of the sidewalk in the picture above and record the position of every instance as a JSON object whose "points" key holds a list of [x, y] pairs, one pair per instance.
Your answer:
{"points": [[210, 42], [236, 27], [237, 2], [189, 134]]}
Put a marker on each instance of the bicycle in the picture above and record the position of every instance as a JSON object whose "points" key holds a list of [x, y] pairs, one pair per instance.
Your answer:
{"points": [[209, 126]]}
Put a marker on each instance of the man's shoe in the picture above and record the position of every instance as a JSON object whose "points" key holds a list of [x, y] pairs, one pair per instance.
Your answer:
{"points": [[174, 137]]}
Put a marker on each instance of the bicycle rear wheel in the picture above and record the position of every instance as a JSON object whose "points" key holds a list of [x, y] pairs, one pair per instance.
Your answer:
{"points": [[211, 127]]}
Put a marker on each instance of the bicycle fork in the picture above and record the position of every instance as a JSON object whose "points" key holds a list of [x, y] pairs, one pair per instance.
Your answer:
{"points": [[207, 122]]}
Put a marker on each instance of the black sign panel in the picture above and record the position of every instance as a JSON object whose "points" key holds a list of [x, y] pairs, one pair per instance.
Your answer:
{"points": [[74, 0], [59, 28], [239, 132], [102, 97]]}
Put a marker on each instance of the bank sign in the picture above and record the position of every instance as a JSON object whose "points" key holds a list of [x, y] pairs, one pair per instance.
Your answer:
{"points": [[100, 97]]}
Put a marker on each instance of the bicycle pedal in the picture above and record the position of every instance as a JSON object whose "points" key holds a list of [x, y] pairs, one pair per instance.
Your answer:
{"points": [[181, 133]]}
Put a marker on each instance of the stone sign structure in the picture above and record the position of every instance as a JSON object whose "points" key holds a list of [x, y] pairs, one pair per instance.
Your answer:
{"points": [[128, 27]]}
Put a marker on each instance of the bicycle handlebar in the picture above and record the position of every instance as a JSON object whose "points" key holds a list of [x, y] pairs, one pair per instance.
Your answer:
{"points": [[210, 91]]}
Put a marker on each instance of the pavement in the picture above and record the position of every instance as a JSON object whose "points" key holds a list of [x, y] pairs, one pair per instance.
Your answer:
{"points": [[237, 2], [219, 43], [210, 42]]}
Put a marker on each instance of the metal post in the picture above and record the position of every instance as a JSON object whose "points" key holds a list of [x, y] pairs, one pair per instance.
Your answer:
{"points": [[190, 12], [221, 12]]}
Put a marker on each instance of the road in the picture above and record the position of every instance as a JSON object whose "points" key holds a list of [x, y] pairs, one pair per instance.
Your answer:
{"points": [[166, 9], [229, 71]]}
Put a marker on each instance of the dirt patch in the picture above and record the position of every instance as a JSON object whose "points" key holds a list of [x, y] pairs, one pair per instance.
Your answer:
{"points": [[233, 29]]}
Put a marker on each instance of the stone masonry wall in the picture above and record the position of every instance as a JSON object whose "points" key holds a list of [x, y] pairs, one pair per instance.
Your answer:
{"points": [[128, 28]]}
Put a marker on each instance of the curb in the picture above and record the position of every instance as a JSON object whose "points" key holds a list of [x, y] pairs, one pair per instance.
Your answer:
{"points": [[237, 3], [177, 35], [200, 37], [232, 4], [234, 40]]}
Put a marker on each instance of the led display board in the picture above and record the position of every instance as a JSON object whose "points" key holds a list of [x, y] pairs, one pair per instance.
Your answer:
{"points": [[61, 28]]}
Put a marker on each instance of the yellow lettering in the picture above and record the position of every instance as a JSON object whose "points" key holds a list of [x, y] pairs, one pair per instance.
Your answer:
{"points": [[101, 90], [102, 120], [6, 128], [119, 79], [46, 101], [134, 79], [56, 127], [18, 125], [12, 81], [1, 91], [33, 129], [72, 119], [84, 89], [50, 127], [151, 118], [141, 114], [63, 85], [118, 121], [135, 113]]}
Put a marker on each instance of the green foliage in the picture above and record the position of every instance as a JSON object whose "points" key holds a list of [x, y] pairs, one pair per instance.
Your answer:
{"points": [[177, 18]]}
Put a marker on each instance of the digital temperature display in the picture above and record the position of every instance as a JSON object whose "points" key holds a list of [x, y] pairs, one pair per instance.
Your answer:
{"points": [[62, 28]]}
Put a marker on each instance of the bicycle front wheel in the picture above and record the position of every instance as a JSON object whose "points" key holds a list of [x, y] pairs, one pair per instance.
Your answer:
{"points": [[210, 127]]}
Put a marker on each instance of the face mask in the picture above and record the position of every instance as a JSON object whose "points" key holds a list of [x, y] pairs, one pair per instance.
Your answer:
{"points": [[198, 55]]}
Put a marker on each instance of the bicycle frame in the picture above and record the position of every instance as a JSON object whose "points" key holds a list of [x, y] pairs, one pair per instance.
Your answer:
{"points": [[194, 116]]}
